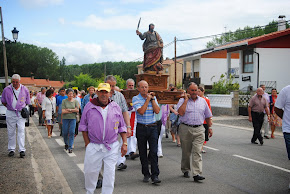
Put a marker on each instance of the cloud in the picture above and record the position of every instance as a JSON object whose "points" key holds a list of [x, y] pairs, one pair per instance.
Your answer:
{"points": [[40, 3], [80, 53], [61, 21]]}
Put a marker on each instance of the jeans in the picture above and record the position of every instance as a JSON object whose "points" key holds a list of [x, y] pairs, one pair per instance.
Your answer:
{"points": [[40, 119], [68, 131], [148, 134], [257, 119], [287, 142]]}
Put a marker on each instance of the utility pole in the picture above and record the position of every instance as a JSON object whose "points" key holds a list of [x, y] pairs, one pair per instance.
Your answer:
{"points": [[175, 60], [105, 67], [4, 50]]}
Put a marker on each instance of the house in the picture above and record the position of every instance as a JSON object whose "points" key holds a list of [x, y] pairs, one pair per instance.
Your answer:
{"points": [[262, 60], [206, 66], [36, 84], [169, 68]]}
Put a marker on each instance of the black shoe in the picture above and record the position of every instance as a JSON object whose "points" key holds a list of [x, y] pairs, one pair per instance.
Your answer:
{"points": [[253, 142], [146, 178], [166, 135], [266, 137], [22, 154], [198, 178], [11, 153], [261, 142], [133, 156], [156, 180], [99, 184], [122, 166], [70, 151], [186, 175], [66, 147]]}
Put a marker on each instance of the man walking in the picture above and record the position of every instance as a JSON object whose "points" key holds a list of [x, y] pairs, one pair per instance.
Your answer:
{"points": [[266, 121], [15, 97], [193, 110], [101, 122], [257, 105], [59, 100], [39, 98], [146, 105]]}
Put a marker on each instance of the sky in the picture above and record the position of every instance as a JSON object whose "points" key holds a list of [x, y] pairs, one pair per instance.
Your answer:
{"points": [[93, 31]]}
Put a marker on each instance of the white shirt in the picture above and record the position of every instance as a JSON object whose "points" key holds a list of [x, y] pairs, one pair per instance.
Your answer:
{"points": [[283, 102], [48, 105], [32, 100], [10, 113]]}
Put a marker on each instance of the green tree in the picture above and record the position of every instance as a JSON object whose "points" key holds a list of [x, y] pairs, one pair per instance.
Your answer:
{"points": [[83, 81], [225, 85], [27, 60], [240, 34]]}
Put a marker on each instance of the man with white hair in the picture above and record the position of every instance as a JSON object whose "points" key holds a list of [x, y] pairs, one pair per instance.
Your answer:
{"points": [[257, 105], [15, 97]]}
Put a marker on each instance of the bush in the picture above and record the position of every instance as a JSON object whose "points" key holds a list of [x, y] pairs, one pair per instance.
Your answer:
{"points": [[224, 85]]}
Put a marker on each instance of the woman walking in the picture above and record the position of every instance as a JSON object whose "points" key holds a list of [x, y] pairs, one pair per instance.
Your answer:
{"points": [[275, 121], [70, 107], [48, 110]]}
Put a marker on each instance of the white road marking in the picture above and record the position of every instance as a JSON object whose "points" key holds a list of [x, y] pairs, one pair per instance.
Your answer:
{"points": [[81, 166], [211, 148], [266, 164], [60, 142], [70, 154]]}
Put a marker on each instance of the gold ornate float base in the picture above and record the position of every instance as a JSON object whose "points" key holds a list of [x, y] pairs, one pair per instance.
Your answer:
{"points": [[157, 84]]}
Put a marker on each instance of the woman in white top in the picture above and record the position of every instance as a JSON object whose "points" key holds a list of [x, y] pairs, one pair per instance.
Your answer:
{"points": [[48, 109]]}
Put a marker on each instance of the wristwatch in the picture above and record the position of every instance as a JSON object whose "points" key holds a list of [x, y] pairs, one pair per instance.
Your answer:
{"points": [[129, 127], [125, 144]]}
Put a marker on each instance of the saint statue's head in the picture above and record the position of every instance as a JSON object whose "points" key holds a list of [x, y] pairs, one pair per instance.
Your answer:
{"points": [[151, 27]]}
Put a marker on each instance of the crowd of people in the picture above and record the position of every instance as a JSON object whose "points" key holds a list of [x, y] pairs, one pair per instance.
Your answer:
{"points": [[103, 114]]}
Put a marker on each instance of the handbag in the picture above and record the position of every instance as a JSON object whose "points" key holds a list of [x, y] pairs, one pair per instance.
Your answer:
{"points": [[24, 111]]}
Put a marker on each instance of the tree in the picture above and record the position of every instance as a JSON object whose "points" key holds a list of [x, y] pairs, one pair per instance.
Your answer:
{"points": [[27, 60], [240, 34], [83, 81]]}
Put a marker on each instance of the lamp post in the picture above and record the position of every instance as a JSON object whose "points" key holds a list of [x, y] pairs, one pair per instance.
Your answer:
{"points": [[4, 50], [15, 34]]}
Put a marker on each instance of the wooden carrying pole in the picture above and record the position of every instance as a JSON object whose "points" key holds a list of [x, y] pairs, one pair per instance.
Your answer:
{"points": [[175, 61]]}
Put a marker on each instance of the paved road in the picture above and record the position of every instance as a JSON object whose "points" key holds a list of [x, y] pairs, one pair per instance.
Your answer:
{"points": [[231, 165]]}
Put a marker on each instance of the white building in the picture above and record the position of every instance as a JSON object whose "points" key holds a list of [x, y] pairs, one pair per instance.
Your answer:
{"points": [[262, 60]]}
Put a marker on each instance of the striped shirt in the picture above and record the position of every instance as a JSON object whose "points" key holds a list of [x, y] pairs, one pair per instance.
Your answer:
{"points": [[195, 112], [148, 117]]}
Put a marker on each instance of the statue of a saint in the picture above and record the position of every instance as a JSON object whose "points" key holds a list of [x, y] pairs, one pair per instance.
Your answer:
{"points": [[153, 50]]}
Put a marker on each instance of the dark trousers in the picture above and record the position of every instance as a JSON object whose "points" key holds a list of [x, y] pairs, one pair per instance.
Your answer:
{"points": [[206, 132], [287, 142], [31, 110], [40, 119], [143, 135], [257, 119]]}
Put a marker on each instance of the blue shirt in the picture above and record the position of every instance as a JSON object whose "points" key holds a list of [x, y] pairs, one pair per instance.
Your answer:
{"points": [[148, 117], [59, 101], [85, 101]]}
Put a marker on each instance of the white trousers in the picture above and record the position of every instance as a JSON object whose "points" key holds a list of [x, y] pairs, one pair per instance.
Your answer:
{"points": [[94, 158], [132, 146], [266, 125], [12, 124], [159, 152]]}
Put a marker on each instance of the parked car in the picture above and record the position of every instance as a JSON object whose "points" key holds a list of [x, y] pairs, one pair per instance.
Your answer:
{"points": [[3, 114]]}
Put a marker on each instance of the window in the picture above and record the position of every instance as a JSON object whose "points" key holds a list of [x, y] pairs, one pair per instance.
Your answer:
{"points": [[248, 64], [196, 74]]}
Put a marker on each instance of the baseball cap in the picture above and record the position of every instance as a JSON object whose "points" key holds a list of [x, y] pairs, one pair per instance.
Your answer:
{"points": [[104, 86]]}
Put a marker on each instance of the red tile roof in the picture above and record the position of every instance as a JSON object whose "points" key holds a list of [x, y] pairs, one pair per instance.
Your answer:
{"points": [[255, 40], [41, 82]]}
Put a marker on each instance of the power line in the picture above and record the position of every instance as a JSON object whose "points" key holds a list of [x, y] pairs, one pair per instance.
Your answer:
{"points": [[228, 33]]}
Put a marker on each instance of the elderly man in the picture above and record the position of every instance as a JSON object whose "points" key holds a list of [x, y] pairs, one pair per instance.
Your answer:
{"points": [[266, 121], [39, 98], [15, 97], [193, 110], [132, 141], [257, 105], [146, 105], [88, 97], [101, 122]]}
